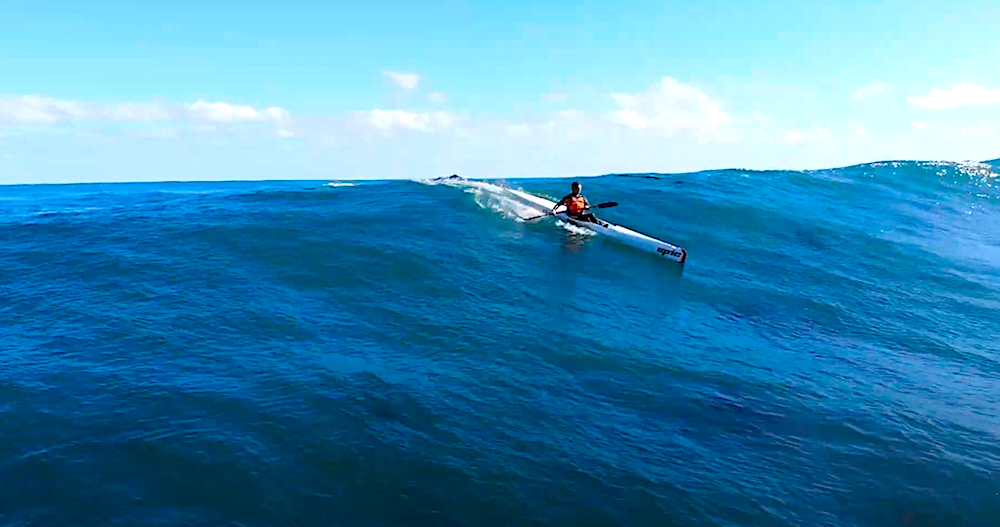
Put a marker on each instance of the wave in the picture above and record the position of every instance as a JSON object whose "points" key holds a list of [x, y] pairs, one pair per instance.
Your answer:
{"points": [[823, 316]]}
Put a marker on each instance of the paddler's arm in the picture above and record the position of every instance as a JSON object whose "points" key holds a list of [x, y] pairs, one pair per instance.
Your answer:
{"points": [[561, 202]]}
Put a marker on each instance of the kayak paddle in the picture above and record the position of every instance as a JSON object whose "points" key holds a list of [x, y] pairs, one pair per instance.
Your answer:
{"points": [[599, 206]]}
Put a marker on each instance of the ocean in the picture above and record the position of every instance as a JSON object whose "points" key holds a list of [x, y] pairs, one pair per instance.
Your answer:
{"points": [[383, 353]]}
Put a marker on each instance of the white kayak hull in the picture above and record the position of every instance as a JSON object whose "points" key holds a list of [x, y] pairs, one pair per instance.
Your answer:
{"points": [[664, 249]]}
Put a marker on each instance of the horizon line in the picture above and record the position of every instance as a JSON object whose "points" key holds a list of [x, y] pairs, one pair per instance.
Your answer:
{"points": [[592, 176]]}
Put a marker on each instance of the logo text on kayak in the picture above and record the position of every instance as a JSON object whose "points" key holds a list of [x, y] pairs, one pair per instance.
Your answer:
{"points": [[669, 252]]}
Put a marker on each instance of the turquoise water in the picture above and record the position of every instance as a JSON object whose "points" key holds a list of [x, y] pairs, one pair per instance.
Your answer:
{"points": [[405, 353]]}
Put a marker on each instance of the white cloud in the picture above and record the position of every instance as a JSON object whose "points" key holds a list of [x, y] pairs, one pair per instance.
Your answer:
{"points": [[675, 109], [794, 137], [32, 108], [871, 91], [815, 134], [406, 81], [518, 130], [630, 118], [570, 114], [224, 112], [860, 131], [437, 98], [919, 125], [554, 97], [389, 120], [961, 94]]}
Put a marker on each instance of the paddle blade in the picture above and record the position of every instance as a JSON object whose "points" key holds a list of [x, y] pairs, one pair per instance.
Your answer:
{"points": [[608, 204], [536, 217]]}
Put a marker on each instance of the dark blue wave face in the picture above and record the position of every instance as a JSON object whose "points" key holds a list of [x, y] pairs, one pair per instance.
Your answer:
{"points": [[396, 353]]}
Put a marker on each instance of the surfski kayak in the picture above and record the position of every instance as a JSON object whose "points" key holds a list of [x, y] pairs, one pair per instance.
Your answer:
{"points": [[666, 250]]}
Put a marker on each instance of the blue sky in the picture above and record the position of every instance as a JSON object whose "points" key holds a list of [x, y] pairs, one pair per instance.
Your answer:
{"points": [[125, 91]]}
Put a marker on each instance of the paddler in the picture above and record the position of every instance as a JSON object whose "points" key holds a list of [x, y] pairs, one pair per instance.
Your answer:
{"points": [[576, 205]]}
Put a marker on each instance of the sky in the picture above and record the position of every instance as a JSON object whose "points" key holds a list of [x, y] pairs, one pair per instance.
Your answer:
{"points": [[210, 90]]}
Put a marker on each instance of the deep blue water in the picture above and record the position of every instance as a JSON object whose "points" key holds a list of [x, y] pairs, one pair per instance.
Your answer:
{"points": [[400, 353]]}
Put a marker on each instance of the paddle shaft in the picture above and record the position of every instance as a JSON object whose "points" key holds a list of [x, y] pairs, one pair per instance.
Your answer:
{"points": [[600, 206]]}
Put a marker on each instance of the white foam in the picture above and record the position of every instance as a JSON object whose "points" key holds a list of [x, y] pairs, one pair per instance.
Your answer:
{"points": [[496, 198], [575, 229], [976, 169], [339, 184], [493, 197]]}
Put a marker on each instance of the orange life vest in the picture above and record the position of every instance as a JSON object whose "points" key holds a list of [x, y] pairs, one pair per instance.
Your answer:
{"points": [[575, 205]]}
